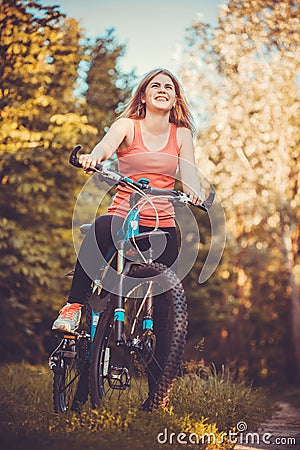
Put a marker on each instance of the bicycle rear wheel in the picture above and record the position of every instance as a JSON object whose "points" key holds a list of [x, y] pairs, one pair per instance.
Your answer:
{"points": [[143, 368], [70, 365]]}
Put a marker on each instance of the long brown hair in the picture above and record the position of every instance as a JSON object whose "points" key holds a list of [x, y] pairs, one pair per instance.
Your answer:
{"points": [[180, 113]]}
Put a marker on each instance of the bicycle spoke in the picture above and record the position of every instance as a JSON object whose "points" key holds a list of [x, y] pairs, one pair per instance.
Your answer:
{"points": [[69, 384]]}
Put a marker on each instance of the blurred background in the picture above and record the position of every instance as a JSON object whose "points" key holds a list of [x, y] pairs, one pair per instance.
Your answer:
{"points": [[67, 69]]}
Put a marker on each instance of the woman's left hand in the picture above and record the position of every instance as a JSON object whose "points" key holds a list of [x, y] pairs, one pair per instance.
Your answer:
{"points": [[196, 199]]}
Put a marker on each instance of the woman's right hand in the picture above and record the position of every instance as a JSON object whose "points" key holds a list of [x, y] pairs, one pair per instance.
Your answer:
{"points": [[88, 161]]}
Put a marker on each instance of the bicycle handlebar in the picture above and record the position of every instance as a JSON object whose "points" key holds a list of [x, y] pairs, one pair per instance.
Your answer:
{"points": [[109, 176]]}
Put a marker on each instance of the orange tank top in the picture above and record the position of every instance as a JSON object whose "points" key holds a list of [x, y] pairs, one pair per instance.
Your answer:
{"points": [[160, 167]]}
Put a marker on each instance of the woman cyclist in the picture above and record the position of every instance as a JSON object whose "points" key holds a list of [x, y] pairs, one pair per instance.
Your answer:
{"points": [[152, 139]]}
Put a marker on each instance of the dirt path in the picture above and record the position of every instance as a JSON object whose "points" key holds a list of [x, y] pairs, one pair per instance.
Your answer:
{"points": [[281, 432]]}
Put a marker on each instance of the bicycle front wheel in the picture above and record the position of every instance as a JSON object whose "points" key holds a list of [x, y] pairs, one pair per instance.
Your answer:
{"points": [[70, 364], [70, 383], [143, 367]]}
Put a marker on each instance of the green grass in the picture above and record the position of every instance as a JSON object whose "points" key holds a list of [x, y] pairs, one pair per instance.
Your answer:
{"points": [[211, 405], [217, 397]]}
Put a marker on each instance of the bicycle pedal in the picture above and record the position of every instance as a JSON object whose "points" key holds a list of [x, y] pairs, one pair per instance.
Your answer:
{"points": [[62, 334], [70, 336], [68, 354]]}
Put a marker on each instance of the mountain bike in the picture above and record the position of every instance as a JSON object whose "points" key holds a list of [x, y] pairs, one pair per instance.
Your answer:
{"points": [[118, 352]]}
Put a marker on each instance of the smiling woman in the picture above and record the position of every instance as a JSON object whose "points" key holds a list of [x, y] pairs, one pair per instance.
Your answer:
{"points": [[160, 93], [161, 89], [179, 112], [152, 139]]}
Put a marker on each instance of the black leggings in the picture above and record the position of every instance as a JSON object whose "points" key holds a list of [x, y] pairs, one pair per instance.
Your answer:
{"points": [[95, 247], [97, 243]]}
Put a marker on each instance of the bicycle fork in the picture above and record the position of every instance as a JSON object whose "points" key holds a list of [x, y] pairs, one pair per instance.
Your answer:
{"points": [[119, 313]]}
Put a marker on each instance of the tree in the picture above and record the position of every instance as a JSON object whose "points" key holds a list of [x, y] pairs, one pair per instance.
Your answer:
{"points": [[108, 87], [42, 119], [245, 71], [39, 125]]}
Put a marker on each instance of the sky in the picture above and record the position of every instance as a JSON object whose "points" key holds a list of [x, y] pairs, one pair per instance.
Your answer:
{"points": [[153, 31]]}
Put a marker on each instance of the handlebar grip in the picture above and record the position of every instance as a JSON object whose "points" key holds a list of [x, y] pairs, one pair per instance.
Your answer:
{"points": [[73, 157], [207, 203], [74, 160]]}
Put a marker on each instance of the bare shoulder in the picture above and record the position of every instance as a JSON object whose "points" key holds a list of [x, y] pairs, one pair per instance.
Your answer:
{"points": [[184, 135], [124, 127], [123, 124]]}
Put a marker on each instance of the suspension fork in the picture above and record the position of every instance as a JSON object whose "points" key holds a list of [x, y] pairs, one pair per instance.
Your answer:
{"points": [[119, 313], [148, 309]]}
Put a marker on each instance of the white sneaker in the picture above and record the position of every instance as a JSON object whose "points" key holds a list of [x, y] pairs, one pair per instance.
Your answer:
{"points": [[69, 318]]}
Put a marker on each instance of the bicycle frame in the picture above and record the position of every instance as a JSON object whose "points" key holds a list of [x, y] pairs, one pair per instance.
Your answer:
{"points": [[123, 268]]}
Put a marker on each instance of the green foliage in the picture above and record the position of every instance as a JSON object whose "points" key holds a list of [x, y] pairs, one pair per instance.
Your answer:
{"points": [[244, 70], [41, 121], [216, 396], [108, 87], [26, 415]]}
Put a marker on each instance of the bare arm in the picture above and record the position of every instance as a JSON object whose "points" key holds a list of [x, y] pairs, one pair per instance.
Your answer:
{"points": [[107, 146], [187, 167]]}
